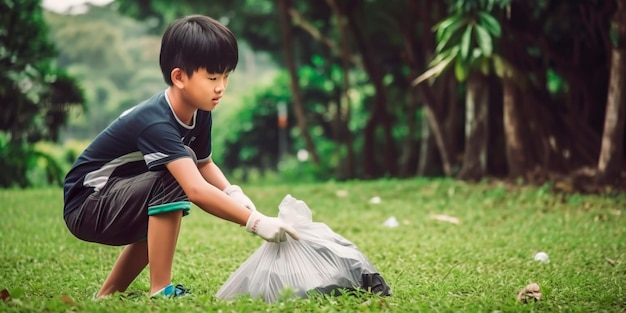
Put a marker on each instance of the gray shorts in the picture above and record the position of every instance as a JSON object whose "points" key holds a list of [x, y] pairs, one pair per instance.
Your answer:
{"points": [[118, 213]]}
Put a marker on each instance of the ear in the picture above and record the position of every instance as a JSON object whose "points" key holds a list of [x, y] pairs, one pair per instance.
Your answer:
{"points": [[178, 77]]}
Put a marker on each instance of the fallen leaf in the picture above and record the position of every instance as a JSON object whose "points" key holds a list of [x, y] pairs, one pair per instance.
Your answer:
{"points": [[341, 193], [383, 304], [528, 293], [67, 299], [564, 186], [446, 218], [4, 295]]}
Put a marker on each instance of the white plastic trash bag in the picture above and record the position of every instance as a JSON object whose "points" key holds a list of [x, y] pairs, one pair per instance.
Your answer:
{"points": [[321, 261]]}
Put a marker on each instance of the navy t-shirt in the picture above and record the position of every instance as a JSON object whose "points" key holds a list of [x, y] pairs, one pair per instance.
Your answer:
{"points": [[143, 138]]}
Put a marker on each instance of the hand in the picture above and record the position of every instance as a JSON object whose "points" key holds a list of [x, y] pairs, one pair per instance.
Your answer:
{"points": [[271, 229], [237, 194]]}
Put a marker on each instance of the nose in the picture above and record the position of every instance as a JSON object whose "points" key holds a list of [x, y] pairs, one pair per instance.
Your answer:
{"points": [[220, 87]]}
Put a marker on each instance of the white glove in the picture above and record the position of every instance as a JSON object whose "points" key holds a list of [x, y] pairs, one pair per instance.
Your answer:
{"points": [[237, 194], [271, 229]]}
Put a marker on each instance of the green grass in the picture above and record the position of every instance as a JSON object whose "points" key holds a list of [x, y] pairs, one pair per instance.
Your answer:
{"points": [[478, 265]]}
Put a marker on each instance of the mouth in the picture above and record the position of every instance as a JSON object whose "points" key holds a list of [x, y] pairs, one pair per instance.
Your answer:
{"points": [[216, 100]]}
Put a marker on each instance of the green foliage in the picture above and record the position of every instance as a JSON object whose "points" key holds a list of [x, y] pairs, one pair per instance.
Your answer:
{"points": [[466, 39], [478, 265], [490, 23], [246, 135], [544, 44], [555, 83], [115, 60], [237, 141], [35, 94], [26, 165]]}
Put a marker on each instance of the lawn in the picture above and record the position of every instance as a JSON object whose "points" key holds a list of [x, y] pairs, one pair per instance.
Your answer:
{"points": [[476, 265]]}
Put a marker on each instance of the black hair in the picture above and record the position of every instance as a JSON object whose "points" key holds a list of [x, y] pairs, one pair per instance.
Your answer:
{"points": [[197, 41]]}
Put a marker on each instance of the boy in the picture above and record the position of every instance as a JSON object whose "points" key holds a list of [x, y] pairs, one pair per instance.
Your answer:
{"points": [[133, 184]]}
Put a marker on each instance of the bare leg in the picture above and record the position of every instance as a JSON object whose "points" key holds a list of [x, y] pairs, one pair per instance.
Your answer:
{"points": [[163, 232], [129, 264]]}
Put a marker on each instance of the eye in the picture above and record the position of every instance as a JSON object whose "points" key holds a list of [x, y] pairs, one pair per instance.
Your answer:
{"points": [[212, 78]]}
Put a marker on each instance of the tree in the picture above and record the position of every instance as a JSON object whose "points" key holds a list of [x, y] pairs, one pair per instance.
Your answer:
{"points": [[35, 95], [465, 41], [531, 74], [296, 95], [612, 151], [555, 73], [114, 58]]}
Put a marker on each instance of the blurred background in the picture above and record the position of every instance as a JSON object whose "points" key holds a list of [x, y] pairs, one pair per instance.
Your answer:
{"points": [[526, 90]]}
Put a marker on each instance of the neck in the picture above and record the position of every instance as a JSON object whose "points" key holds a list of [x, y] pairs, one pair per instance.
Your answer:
{"points": [[183, 111]]}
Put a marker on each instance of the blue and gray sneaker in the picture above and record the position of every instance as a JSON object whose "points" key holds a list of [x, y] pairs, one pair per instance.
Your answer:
{"points": [[171, 291]]}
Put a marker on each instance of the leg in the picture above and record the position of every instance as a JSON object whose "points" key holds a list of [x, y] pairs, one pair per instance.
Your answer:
{"points": [[125, 212], [163, 232], [129, 264]]}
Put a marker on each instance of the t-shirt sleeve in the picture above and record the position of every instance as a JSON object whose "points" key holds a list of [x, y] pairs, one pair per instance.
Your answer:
{"points": [[160, 144]]}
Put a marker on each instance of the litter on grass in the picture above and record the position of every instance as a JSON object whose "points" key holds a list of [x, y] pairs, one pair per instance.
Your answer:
{"points": [[391, 222], [542, 257], [322, 262], [529, 293], [341, 193], [446, 218], [375, 200]]}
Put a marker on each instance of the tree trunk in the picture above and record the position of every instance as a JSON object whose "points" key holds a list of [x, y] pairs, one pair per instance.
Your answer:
{"points": [[435, 127], [515, 151], [414, 55], [408, 147], [284, 6], [343, 107], [476, 127], [452, 122], [427, 12], [378, 114], [428, 152], [611, 153]]}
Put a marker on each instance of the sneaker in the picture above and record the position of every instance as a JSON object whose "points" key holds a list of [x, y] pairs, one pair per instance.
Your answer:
{"points": [[171, 291]]}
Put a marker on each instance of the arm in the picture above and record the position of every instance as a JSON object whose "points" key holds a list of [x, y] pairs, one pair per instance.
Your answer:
{"points": [[213, 174], [203, 188], [212, 200]]}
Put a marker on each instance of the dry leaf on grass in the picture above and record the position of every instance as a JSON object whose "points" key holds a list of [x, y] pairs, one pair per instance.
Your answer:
{"points": [[67, 299], [4, 294], [529, 293], [446, 218], [341, 193]]}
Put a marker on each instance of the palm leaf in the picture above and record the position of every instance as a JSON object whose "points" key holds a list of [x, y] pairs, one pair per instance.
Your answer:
{"points": [[490, 23], [484, 40], [466, 41], [436, 70], [446, 34]]}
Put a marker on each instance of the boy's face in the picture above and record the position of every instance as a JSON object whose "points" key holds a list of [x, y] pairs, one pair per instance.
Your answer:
{"points": [[204, 90]]}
